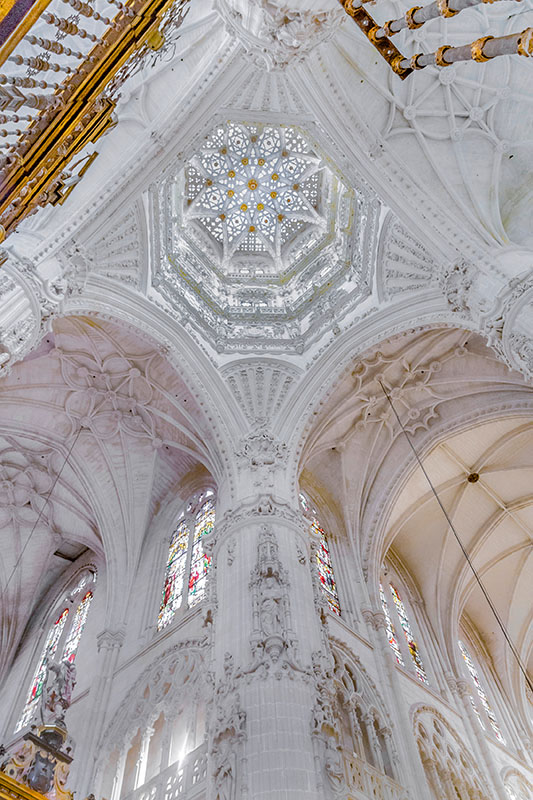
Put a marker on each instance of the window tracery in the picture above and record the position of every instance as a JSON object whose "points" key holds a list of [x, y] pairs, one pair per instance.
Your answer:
{"points": [[392, 594], [323, 556], [365, 737], [254, 188], [474, 676], [63, 637], [450, 770], [187, 557]]}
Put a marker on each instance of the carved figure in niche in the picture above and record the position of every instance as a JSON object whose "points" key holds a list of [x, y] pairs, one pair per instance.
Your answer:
{"points": [[271, 608], [333, 764], [224, 772], [56, 696]]}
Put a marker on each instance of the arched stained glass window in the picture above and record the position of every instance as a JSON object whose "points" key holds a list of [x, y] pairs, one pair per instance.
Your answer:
{"points": [[187, 557], [323, 557], [62, 638], [175, 572], [481, 693], [409, 638], [48, 651], [73, 639], [200, 562], [408, 652], [391, 633]]}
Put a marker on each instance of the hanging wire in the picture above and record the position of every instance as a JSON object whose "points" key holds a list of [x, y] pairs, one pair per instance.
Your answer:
{"points": [[492, 607], [47, 498]]}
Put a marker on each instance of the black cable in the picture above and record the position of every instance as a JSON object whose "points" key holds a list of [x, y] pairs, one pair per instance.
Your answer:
{"points": [[492, 607], [47, 498]]}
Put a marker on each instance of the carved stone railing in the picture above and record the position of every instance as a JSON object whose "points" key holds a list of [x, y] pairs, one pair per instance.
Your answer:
{"points": [[10, 789], [364, 781], [186, 780]]}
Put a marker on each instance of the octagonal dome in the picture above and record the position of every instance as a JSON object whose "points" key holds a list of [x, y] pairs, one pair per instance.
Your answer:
{"points": [[254, 190], [261, 239]]}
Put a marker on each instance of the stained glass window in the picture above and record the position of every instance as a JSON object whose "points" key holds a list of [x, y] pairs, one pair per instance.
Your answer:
{"points": [[186, 556], [391, 633], [73, 639], [200, 562], [411, 643], [175, 572], [49, 649], [481, 692], [323, 557]]}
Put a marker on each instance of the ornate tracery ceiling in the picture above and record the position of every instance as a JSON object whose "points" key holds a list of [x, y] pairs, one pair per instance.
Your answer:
{"points": [[261, 240]]}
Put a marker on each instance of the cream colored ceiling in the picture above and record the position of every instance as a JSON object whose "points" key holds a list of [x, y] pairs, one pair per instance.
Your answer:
{"points": [[465, 413], [494, 520]]}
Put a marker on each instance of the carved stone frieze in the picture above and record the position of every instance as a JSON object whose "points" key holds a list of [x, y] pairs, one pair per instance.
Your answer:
{"points": [[262, 508], [260, 386], [273, 641]]}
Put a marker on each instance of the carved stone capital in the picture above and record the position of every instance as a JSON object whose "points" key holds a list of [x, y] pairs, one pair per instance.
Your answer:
{"points": [[107, 640]]}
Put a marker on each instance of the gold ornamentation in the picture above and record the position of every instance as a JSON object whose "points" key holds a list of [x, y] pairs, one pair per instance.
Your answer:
{"points": [[439, 56], [261, 162], [396, 64], [414, 61], [372, 34], [252, 184], [524, 45], [445, 10], [348, 7], [476, 48], [155, 40], [409, 18], [387, 28], [245, 162]]}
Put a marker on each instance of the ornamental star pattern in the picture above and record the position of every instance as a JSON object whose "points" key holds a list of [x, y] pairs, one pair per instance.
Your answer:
{"points": [[254, 188]]}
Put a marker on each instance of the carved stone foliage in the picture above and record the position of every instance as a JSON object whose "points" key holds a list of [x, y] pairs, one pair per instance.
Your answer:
{"points": [[265, 505], [273, 642], [227, 730], [261, 454], [273, 33]]}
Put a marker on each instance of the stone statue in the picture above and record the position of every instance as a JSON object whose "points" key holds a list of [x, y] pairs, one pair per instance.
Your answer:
{"points": [[56, 696], [270, 611], [224, 773], [333, 764]]}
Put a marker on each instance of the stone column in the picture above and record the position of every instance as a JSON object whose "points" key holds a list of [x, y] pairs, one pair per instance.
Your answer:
{"points": [[109, 644], [271, 641], [411, 773], [166, 741], [142, 761], [119, 775]]}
